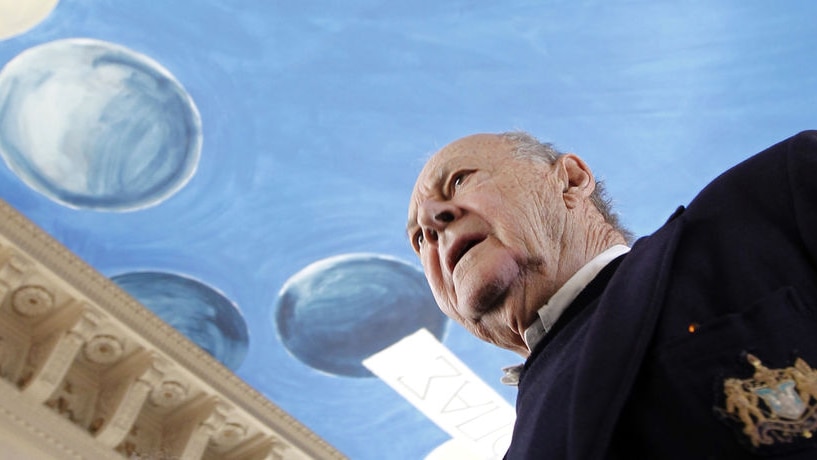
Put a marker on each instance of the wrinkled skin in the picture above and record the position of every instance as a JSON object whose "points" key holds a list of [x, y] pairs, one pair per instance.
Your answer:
{"points": [[497, 235]]}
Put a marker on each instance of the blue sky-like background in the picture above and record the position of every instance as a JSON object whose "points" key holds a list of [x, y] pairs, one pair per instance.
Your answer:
{"points": [[317, 116]]}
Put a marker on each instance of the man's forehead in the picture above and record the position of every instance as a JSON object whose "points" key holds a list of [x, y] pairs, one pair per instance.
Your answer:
{"points": [[474, 148], [471, 151], [475, 144]]}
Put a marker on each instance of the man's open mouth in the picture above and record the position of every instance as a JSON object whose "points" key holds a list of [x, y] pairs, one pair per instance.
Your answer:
{"points": [[460, 248]]}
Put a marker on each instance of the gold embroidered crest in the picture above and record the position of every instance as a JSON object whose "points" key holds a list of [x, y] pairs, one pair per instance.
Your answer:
{"points": [[775, 405]]}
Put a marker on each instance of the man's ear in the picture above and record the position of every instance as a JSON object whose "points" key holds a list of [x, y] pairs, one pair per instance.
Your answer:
{"points": [[578, 180]]}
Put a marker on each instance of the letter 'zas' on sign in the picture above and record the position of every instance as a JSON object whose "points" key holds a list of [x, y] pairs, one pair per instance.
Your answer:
{"points": [[446, 391], [487, 423], [461, 400], [477, 416], [441, 370]]}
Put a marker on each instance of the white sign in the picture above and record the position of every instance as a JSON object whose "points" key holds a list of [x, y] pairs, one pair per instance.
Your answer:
{"points": [[435, 381]]}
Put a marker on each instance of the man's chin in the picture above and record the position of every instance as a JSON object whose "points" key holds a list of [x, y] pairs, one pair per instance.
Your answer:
{"points": [[486, 302], [485, 292]]}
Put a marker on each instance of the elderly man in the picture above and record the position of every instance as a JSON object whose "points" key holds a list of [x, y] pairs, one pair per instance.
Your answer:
{"points": [[681, 347]]}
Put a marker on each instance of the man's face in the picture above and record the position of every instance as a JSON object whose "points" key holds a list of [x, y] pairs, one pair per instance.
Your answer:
{"points": [[487, 228]]}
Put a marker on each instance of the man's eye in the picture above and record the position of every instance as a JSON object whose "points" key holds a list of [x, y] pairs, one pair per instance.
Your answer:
{"points": [[458, 179], [418, 239]]}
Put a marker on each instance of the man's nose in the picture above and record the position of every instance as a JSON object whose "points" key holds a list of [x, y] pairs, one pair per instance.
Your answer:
{"points": [[435, 216]]}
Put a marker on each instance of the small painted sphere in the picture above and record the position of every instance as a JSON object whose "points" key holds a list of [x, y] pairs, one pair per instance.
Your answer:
{"points": [[337, 312], [203, 314]]}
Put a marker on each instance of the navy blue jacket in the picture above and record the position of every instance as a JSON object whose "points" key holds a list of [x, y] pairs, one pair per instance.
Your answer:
{"points": [[635, 368]]}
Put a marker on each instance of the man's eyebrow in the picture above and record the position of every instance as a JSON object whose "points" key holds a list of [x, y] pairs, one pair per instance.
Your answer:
{"points": [[410, 224], [441, 174]]}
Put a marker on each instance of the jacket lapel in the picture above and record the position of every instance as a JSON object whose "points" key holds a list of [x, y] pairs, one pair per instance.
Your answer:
{"points": [[619, 334]]}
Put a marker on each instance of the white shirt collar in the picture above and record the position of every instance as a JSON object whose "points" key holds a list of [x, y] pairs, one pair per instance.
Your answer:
{"points": [[553, 309]]}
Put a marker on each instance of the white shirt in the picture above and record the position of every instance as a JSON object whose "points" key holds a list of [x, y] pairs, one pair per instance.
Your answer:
{"points": [[561, 299]]}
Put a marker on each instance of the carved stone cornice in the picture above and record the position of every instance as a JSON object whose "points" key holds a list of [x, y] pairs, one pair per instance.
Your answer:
{"points": [[129, 371]]}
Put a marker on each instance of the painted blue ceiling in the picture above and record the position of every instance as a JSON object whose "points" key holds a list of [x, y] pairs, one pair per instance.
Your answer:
{"points": [[315, 118]]}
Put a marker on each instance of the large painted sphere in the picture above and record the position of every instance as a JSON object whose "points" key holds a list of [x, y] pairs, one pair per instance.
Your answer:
{"points": [[203, 314], [337, 312], [94, 125]]}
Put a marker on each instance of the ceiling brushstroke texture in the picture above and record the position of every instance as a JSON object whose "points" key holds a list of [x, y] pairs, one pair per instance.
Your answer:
{"points": [[258, 156]]}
